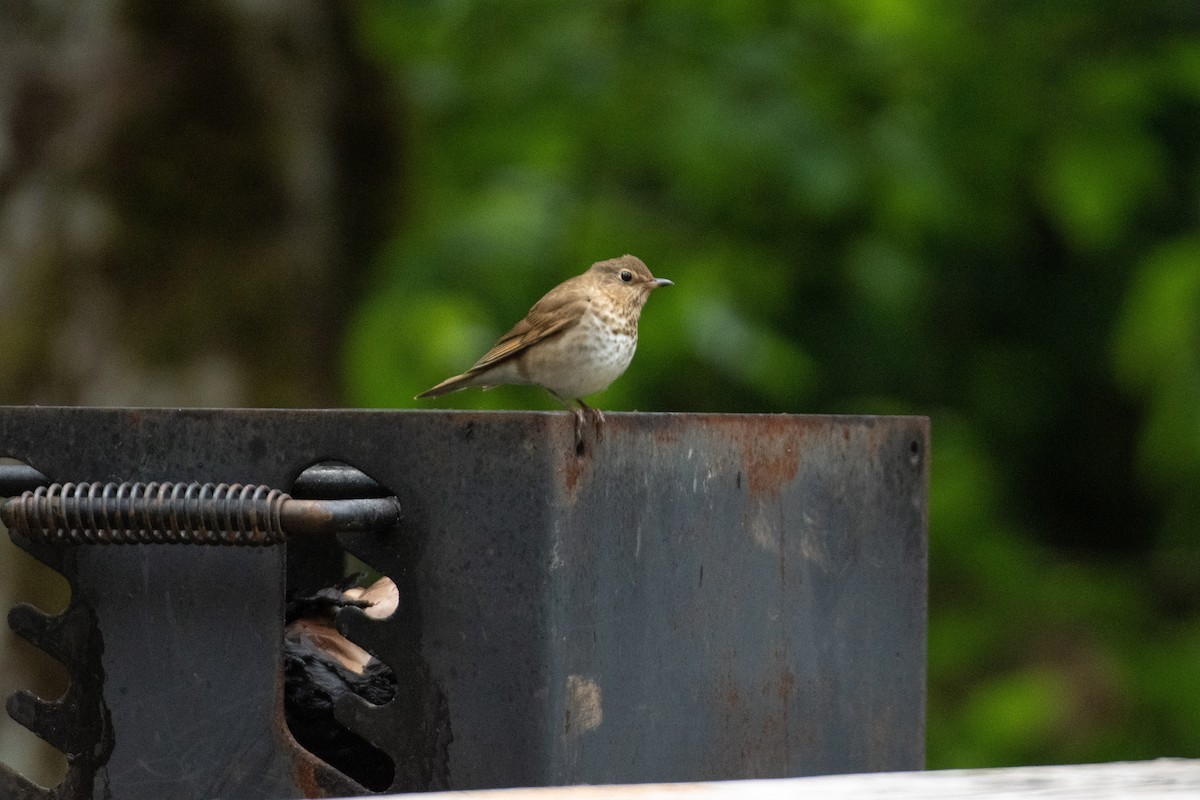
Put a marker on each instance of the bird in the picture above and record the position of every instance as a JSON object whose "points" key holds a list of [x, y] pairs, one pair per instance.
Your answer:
{"points": [[574, 342]]}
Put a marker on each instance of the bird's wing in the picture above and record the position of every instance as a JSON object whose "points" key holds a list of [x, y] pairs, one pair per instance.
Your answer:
{"points": [[558, 311]]}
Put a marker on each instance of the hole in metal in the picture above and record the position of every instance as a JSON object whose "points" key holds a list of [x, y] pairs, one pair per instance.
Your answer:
{"points": [[25, 579], [321, 665]]}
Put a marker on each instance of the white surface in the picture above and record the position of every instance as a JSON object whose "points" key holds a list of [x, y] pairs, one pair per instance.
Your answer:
{"points": [[1140, 780]]}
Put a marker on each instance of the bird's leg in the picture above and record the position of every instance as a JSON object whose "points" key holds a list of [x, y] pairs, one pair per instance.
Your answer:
{"points": [[597, 417], [579, 437], [579, 420]]}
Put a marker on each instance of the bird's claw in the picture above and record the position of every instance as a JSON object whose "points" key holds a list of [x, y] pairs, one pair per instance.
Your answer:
{"points": [[595, 416], [579, 437], [584, 415]]}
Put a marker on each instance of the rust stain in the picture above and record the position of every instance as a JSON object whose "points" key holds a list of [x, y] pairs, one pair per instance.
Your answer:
{"points": [[767, 473], [313, 776], [729, 695], [571, 463], [754, 726], [787, 682], [305, 772], [771, 448], [573, 467]]}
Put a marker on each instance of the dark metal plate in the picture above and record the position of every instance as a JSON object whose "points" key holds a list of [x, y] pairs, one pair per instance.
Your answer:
{"points": [[699, 597]]}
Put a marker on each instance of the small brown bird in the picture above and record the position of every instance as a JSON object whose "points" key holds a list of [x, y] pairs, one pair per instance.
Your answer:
{"points": [[574, 342]]}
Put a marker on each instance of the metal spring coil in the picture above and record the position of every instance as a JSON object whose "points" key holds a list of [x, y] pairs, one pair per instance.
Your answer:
{"points": [[149, 513]]}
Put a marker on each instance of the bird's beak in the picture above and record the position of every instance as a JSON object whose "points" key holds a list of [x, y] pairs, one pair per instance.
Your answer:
{"points": [[663, 282]]}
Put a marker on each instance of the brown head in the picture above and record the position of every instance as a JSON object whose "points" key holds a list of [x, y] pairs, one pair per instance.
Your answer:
{"points": [[626, 281]]}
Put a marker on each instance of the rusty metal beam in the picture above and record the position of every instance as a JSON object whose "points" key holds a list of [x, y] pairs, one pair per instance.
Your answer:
{"points": [[699, 597]]}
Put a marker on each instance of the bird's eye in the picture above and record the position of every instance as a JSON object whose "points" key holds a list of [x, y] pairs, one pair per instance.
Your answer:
{"points": [[626, 275]]}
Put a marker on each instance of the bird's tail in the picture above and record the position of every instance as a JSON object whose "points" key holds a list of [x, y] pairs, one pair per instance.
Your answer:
{"points": [[449, 385]]}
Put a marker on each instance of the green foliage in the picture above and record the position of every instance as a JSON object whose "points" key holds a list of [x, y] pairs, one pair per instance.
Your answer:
{"points": [[985, 212]]}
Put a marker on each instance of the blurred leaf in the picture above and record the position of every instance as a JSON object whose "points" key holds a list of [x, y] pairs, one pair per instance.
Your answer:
{"points": [[983, 212], [1157, 354], [1094, 179]]}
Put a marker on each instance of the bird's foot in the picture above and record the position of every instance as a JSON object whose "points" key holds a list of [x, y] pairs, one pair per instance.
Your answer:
{"points": [[583, 414], [580, 439], [595, 416]]}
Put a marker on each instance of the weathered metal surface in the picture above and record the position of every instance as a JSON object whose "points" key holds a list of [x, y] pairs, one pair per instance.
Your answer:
{"points": [[699, 597], [706, 597], [17, 478]]}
